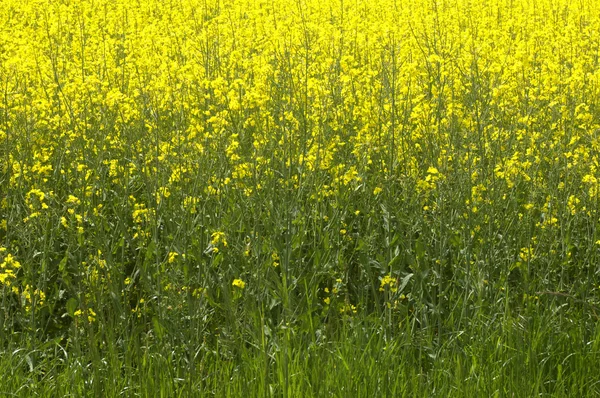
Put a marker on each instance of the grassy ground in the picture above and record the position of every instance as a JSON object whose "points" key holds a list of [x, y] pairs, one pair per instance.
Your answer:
{"points": [[299, 198]]}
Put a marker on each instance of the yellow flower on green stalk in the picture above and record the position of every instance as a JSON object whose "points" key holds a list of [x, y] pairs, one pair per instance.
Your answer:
{"points": [[218, 238], [388, 281], [91, 315], [172, 257], [74, 200]]}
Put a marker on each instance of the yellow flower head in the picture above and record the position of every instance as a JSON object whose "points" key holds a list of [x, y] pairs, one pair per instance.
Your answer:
{"points": [[218, 237], [238, 283], [172, 257]]}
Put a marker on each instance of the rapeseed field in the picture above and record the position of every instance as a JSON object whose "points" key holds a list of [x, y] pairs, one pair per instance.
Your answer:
{"points": [[299, 198]]}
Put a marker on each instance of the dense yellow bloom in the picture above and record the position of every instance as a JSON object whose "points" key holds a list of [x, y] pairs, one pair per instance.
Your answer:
{"points": [[73, 200], [258, 128], [8, 267], [388, 281], [218, 238]]}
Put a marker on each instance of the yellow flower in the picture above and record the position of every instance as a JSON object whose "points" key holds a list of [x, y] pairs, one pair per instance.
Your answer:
{"points": [[218, 237], [73, 200], [388, 281], [526, 254], [172, 257], [275, 258], [238, 283], [91, 315], [5, 275]]}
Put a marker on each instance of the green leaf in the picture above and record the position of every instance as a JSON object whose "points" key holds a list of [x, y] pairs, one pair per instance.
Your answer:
{"points": [[62, 266], [158, 328], [72, 305], [405, 281], [394, 261]]}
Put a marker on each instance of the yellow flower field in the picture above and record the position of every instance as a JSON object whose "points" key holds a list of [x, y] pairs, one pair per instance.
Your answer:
{"points": [[225, 197]]}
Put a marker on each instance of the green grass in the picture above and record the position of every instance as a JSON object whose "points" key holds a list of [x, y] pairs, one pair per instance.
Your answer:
{"points": [[514, 356]]}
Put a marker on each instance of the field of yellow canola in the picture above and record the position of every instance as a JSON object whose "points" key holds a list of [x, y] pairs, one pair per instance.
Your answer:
{"points": [[180, 165]]}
